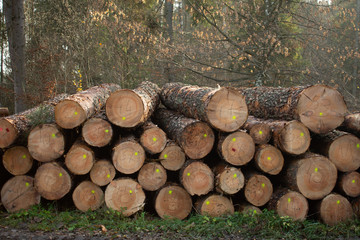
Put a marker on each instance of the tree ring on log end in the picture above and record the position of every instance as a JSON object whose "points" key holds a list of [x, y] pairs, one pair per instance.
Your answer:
{"points": [[321, 108], [231, 180], [258, 190], [173, 157], [17, 160], [69, 114], [197, 178], [350, 184], [80, 159], [238, 148], [294, 138], [97, 132], [154, 139], [335, 208], [88, 195], [294, 205], [102, 173], [8, 133], [216, 206], [152, 176], [269, 159], [128, 157]]}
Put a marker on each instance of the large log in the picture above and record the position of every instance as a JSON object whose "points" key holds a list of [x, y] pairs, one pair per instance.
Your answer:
{"points": [[97, 131], [259, 131], [152, 138], [349, 183], [80, 158], [223, 108], [16, 127], [130, 108], [88, 196], [269, 159], [152, 176], [258, 188], [196, 138], [17, 160], [334, 209], [319, 107], [172, 157], [228, 179], [312, 175], [75, 109], [214, 205], [102, 173]]}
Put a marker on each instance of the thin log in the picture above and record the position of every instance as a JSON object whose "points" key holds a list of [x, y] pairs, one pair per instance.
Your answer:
{"points": [[258, 188], [88, 196], [351, 124], [80, 158], [17, 160], [228, 179], [102, 173], [152, 138], [214, 205], [269, 159], [334, 209], [97, 131], [349, 184], [260, 132], [152, 176], [172, 157]]}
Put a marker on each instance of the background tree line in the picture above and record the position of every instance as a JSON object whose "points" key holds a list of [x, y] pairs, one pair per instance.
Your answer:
{"points": [[71, 45]]}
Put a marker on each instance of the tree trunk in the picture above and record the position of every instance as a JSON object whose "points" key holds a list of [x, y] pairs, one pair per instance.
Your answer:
{"points": [[130, 108], [320, 108], [102, 173], [334, 209], [260, 132], [97, 131], [125, 195], [312, 175], [153, 139], [80, 158], [172, 157], [214, 205], [196, 138], [351, 124], [88, 196], [76, 109], [223, 108], [19, 193], [269, 159], [17, 160], [152, 176], [15, 24], [258, 189], [168, 13], [228, 180], [349, 184]]}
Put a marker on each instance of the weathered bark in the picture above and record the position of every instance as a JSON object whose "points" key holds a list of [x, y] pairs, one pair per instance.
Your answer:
{"points": [[17, 160], [351, 124], [102, 173], [312, 175], [125, 195], [349, 184], [214, 205], [97, 131], [342, 148], [19, 193], [16, 127], [173, 201], [196, 138], [320, 108], [334, 209], [228, 180], [223, 108], [269, 159], [258, 188], [152, 138], [80, 158], [260, 132], [130, 108], [172, 157], [88, 196], [152, 176]]}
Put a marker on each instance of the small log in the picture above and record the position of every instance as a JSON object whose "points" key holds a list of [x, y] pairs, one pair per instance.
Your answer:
{"points": [[247, 208], [258, 189], [351, 124], [102, 173], [46, 142], [17, 160], [236, 148], [128, 155], [173, 201], [197, 178], [260, 132], [80, 158], [153, 139], [97, 131], [289, 203], [342, 148], [312, 175], [228, 180], [152, 176], [4, 111], [19, 193], [334, 209], [319, 107], [125, 195], [88, 196], [214, 205], [52, 181], [196, 138], [77, 108], [130, 108], [349, 183], [269, 159], [223, 108], [172, 157]]}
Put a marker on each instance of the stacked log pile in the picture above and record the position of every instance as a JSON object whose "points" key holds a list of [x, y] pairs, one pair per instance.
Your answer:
{"points": [[183, 147]]}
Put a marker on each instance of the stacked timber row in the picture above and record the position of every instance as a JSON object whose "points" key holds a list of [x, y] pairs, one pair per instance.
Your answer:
{"points": [[214, 150]]}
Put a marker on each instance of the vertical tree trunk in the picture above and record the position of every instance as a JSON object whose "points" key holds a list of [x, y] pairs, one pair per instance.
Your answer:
{"points": [[168, 12]]}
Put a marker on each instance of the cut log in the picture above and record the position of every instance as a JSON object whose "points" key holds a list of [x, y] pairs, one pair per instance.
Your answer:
{"points": [[214, 205], [46, 142], [19, 193], [320, 108], [4, 111], [196, 138], [223, 108], [75, 109], [80, 158], [289, 203], [260, 132], [52, 181], [173, 201], [334, 209], [258, 189], [349, 184], [172, 157], [97, 131], [236, 148], [88, 196], [355, 203], [197, 178], [152, 176], [269, 159], [17, 160], [314, 176], [130, 108], [125, 195], [342, 148], [152, 138], [228, 180], [247, 208], [351, 124], [128, 155], [15, 128], [102, 173]]}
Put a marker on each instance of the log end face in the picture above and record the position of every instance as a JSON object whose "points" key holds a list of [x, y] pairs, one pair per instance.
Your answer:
{"points": [[238, 148], [17, 160], [294, 138], [97, 132], [79, 160], [69, 114], [88, 196], [261, 133], [102, 173], [216, 206], [258, 190], [128, 157], [153, 140], [294, 205], [197, 178], [8, 134], [173, 157], [231, 180], [269, 159], [334, 208], [351, 184], [152, 176]]}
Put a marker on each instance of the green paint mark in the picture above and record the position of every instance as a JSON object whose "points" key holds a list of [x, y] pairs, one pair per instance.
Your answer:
{"points": [[255, 211], [234, 139], [157, 170], [263, 185], [289, 200], [188, 174], [108, 176], [165, 156], [24, 156], [205, 135], [93, 191], [316, 169], [27, 184], [123, 118], [207, 202], [235, 175], [338, 202], [353, 181], [106, 130], [154, 139], [170, 192], [53, 135], [60, 174], [269, 158], [136, 153], [260, 132], [301, 134], [130, 191], [358, 145], [84, 156], [234, 117], [320, 114], [76, 113]]}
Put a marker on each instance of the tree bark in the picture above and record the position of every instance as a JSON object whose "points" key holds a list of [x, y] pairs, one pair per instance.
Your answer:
{"points": [[334, 209], [214, 205], [269, 159], [351, 124], [80, 158], [152, 176], [97, 131], [88, 196], [258, 188], [260, 132], [172, 157], [152, 138], [349, 184], [17, 160], [228, 180], [102, 173]]}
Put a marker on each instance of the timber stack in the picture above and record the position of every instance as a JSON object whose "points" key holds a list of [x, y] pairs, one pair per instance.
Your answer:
{"points": [[182, 147]]}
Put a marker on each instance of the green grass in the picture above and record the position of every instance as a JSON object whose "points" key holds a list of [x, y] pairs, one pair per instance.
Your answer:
{"points": [[264, 226]]}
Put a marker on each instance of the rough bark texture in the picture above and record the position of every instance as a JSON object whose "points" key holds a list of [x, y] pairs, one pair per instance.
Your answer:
{"points": [[152, 138], [259, 131], [349, 184], [80, 158], [97, 131], [351, 124], [102, 173], [214, 205], [152, 176], [319, 107], [75, 109], [17, 160], [196, 138], [130, 108], [335, 208], [172, 157], [228, 180], [269, 159], [223, 108], [88, 196], [258, 189]]}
